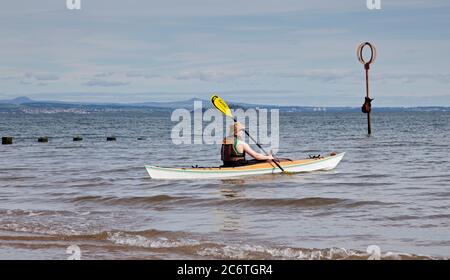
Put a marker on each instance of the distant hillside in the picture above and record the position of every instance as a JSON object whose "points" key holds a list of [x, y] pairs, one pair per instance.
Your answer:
{"points": [[18, 100], [27, 105]]}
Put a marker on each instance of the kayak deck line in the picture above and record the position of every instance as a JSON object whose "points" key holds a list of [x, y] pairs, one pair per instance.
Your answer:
{"points": [[302, 165]]}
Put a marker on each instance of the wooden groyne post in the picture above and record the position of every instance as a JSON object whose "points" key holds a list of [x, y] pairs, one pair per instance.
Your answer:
{"points": [[7, 140], [43, 139]]}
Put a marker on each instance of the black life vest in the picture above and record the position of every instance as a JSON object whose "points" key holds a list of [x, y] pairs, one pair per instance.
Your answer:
{"points": [[230, 154]]}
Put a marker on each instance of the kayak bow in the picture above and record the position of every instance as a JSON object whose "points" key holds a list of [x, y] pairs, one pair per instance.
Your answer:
{"points": [[295, 166]]}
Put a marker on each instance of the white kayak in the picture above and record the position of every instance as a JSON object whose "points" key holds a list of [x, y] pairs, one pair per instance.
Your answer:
{"points": [[267, 167]]}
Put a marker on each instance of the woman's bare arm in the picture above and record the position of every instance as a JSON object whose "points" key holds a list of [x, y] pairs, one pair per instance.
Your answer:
{"points": [[255, 155]]}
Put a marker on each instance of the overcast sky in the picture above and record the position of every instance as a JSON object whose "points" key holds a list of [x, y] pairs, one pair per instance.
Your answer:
{"points": [[265, 51]]}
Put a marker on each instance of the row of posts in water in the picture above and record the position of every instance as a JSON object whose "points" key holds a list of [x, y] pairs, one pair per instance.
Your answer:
{"points": [[9, 140]]}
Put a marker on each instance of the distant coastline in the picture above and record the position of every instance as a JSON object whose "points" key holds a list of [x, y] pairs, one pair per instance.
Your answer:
{"points": [[26, 105]]}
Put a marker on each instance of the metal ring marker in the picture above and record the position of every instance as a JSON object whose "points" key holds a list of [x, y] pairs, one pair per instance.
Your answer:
{"points": [[367, 106], [373, 53]]}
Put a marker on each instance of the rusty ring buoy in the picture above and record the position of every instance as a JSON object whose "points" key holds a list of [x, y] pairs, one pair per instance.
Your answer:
{"points": [[373, 53]]}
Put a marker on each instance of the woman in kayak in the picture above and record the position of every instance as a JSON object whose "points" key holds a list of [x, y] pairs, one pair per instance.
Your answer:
{"points": [[234, 148]]}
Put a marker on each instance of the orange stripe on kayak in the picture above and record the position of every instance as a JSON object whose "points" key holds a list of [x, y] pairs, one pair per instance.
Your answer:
{"points": [[257, 165]]}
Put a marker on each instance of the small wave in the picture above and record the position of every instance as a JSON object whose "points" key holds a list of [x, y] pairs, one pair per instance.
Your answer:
{"points": [[409, 217], [292, 202], [31, 213], [437, 194], [126, 200], [365, 184], [16, 178], [353, 204], [120, 238], [35, 228], [265, 252], [6, 170], [440, 176], [80, 146], [373, 176], [279, 202], [150, 201], [147, 239], [95, 183], [115, 170]]}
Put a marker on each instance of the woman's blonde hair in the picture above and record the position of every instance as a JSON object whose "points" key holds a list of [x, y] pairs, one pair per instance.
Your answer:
{"points": [[235, 128]]}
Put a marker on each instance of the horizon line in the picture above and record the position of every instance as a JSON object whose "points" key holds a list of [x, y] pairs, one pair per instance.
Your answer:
{"points": [[4, 101]]}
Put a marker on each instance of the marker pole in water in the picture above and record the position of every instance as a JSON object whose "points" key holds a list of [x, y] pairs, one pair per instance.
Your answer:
{"points": [[369, 128], [367, 106]]}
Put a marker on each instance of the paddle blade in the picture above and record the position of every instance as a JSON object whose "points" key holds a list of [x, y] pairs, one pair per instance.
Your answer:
{"points": [[221, 105]]}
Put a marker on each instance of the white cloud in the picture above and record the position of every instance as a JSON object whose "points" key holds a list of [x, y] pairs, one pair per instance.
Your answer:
{"points": [[211, 75], [104, 83], [41, 77], [323, 75], [104, 74], [140, 74], [30, 78]]}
